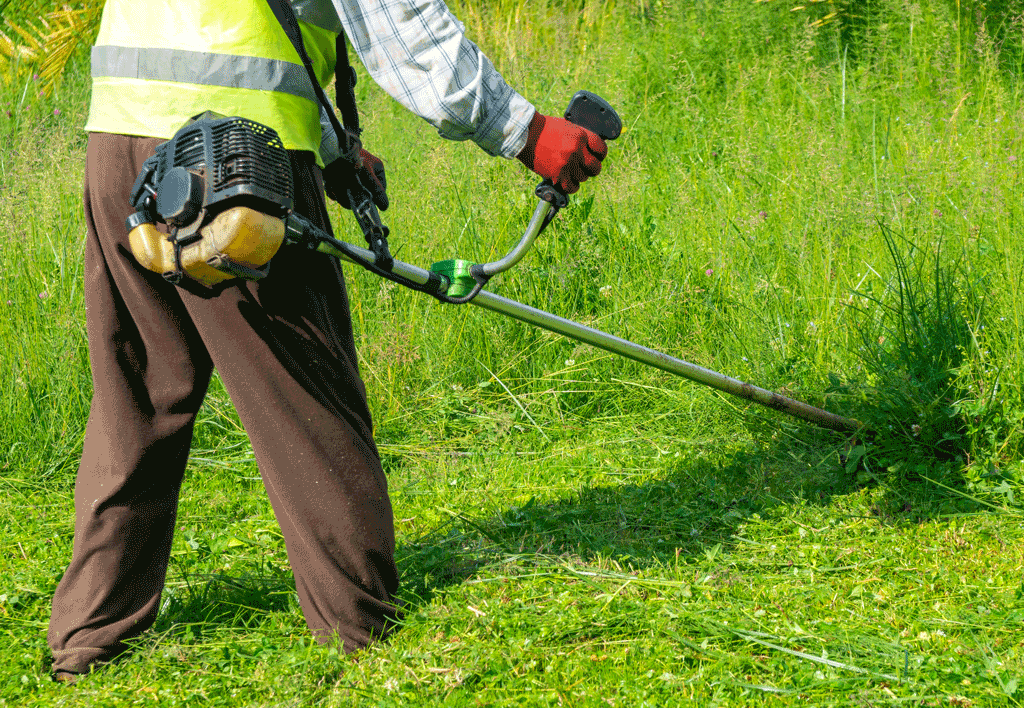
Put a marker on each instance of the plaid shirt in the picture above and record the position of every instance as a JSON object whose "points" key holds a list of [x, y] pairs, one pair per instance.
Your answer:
{"points": [[418, 52]]}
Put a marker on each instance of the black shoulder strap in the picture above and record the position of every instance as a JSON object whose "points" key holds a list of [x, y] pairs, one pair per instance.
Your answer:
{"points": [[286, 16], [375, 232], [345, 75]]}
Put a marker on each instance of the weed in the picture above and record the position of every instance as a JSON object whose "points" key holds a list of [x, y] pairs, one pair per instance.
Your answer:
{"points": [[927, 394]]}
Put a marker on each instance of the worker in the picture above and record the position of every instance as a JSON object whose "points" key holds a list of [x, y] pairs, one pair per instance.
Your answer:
{"points": [[283, 345]]}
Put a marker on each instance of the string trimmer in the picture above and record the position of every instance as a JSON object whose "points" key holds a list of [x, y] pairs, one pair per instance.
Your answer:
{"points": [[223, 187]]}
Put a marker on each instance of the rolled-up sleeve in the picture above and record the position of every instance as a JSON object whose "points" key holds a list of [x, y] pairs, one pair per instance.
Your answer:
{"points": [[417, 51]]}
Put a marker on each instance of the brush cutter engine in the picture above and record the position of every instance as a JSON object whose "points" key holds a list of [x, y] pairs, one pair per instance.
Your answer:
{"points": [[223, 188]]}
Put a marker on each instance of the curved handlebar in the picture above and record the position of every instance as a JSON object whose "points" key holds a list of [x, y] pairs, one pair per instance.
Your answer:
{"points": [[541, 217], [587, 110]]}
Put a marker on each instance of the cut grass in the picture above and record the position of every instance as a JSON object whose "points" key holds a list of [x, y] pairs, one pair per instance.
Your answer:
{"points": [[661, 579]]}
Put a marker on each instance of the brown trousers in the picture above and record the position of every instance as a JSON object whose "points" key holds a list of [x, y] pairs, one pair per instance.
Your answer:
{"points": [[284, 349]]}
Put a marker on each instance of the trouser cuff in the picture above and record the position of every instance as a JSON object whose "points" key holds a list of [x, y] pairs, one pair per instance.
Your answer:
{"points": [[80, 660]]}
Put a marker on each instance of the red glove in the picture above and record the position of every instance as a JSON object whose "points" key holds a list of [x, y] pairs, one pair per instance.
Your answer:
{"points": [[373, 178], [562, 152], [340, 177]]}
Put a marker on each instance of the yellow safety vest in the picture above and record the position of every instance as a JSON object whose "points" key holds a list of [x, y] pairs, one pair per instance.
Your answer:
{"points": [[157, 63]]}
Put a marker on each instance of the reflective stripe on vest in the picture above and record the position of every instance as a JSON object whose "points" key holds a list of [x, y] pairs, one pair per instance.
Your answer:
{"points": [[206, 68], [228, 56]]}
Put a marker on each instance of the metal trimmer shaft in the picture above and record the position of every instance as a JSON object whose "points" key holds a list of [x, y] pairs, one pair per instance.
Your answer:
{"points": [[608, 342], [644, 355]]}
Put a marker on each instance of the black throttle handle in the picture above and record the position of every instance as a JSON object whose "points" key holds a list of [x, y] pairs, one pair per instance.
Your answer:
{"points": [[590, 111]]}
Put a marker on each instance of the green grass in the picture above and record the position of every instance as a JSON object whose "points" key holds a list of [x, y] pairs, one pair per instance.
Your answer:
{"points": [[832, 212]]}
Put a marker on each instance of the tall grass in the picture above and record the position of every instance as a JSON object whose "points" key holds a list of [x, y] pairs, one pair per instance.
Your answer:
{"points": [[827, 208], [742, 214]]}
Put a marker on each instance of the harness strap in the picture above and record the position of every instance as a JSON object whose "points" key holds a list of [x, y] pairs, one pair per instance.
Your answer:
{"points": [[346, 99], [284, 14]]}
